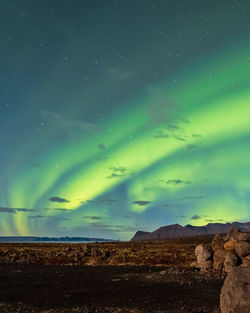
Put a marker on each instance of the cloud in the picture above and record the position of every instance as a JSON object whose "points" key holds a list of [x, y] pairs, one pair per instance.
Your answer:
{"points": [[61, 209], [120, 169], [178, 182], [195, 217], [119, 74], [101, 146], [141, 203], [93, 218], [37, 216], [196, 135], [117, 171], [58, 199], [25, 210], [161, 134], [179, 138], [192, 198], [15, 210], [7, 210], [114, 228], [108, 200], [173, 126], [173, 132], [59, 218], [47, 216], [115, 175], [103, 228], [99, 202], [216, 220]]}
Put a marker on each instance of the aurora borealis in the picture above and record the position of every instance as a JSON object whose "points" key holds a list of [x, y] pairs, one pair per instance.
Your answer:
{"points": [[123, 115]]}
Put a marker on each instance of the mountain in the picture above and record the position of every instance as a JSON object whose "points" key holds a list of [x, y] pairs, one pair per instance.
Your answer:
{"points": [[50, 239], [177, 231], [139, 235]]}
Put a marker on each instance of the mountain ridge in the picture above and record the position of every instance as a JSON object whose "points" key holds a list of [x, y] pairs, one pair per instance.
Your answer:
{"points": [[35, 239], [176, 230]]}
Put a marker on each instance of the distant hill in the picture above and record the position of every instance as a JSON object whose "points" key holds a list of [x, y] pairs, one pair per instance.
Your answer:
{"points": [[51, 239], [176, 230], [140, 235]]}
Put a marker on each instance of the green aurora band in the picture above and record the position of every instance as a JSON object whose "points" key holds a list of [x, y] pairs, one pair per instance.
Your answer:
{"points": [[193, 162]]}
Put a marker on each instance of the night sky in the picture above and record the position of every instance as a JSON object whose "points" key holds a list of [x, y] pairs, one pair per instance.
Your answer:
{"points": [[122, 115]]}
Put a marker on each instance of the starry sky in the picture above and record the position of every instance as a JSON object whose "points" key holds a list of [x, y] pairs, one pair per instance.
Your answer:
{"points": [[122, 115]]}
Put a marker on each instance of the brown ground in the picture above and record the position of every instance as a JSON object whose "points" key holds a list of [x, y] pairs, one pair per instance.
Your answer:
{"points": [[99, 289], [161, 252]]}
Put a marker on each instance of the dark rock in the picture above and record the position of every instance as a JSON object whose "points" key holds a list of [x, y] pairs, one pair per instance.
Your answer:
{"points": [[235, 293], [243, 249]]}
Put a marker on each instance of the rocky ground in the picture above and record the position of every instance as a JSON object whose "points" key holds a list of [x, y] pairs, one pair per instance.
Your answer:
{"points": [[162, 252], [99, 289]]}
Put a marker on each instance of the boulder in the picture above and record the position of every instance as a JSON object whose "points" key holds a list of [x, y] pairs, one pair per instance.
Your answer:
{"points": [[235, 292], [219, 258], [231, 260], [205, 265], [230, 245], [244, 237], [243, 249], [203, 253], [217, 243], [246, 261], [233, 234]]}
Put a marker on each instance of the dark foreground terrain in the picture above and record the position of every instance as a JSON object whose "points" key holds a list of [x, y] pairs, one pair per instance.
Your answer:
{"points": [[53, 288], [135, 277]]}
